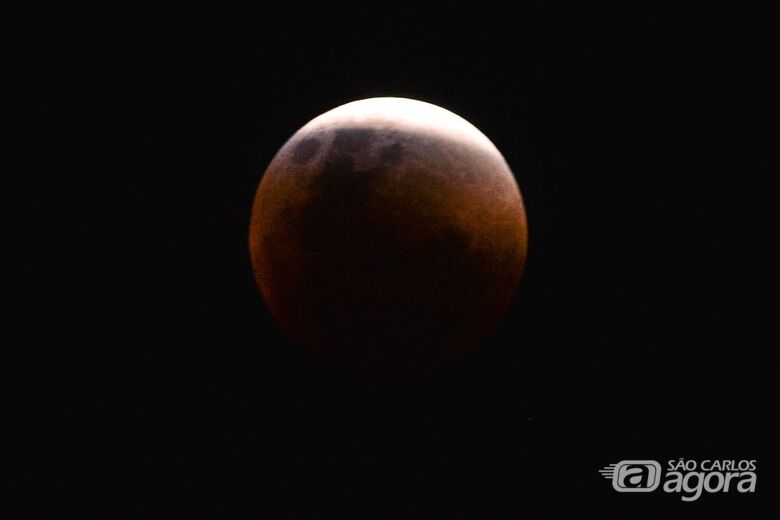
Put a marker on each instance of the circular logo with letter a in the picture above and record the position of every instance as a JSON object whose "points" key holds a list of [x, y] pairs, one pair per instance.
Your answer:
{"points": [[633, 476]]}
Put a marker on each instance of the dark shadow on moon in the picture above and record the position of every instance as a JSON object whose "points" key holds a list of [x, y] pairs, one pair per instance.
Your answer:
{"points": [[382, 277], [354, 140], [306, 150], [391, 155]]}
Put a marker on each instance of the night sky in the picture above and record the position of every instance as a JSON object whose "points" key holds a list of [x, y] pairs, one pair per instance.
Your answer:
{"points": [[155, 384]]}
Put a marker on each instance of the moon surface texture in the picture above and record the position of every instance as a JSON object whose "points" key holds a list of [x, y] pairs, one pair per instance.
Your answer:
{"points": [[388, 236]]}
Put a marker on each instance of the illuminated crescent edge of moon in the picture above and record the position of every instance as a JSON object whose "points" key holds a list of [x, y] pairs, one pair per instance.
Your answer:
{"points": [[401, 113]]}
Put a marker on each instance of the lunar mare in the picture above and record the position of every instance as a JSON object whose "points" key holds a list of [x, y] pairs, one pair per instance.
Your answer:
{"points": [[387, 237]]}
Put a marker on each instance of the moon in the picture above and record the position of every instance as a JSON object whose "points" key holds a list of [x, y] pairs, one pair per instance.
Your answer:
{"points": [[388, 236]]}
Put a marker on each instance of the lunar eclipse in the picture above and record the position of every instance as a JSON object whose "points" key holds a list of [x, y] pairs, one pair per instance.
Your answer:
{"points": [[388, 236]]}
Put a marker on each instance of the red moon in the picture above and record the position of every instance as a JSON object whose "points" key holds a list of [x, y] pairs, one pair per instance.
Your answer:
{"points": [[388, 236]]}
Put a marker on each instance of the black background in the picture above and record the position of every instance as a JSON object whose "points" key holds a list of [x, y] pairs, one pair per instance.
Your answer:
{"points": [[156, 385]]}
